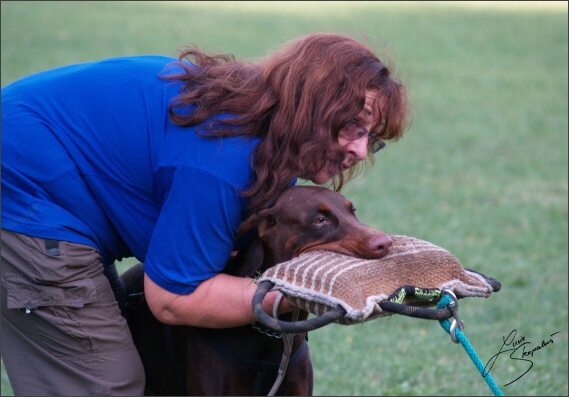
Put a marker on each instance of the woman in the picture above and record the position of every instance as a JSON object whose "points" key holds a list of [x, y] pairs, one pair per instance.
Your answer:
{"points": [[161, 159]]}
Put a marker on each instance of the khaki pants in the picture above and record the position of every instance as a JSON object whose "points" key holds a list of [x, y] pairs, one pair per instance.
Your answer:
{"points": [[62, 330]]}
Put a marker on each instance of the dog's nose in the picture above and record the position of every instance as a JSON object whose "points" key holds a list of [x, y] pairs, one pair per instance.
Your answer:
{"points": [[380, 243]]}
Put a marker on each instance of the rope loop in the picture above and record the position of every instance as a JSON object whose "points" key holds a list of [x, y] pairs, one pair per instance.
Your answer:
{"points": [[290, 327]]}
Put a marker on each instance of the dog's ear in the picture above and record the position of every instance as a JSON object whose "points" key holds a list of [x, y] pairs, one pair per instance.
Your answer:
{"points": [[261, 220], [251, 258], [248, 260]]}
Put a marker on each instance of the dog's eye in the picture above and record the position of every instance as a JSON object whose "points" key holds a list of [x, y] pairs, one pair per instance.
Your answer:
{"points": [[320, 221]]}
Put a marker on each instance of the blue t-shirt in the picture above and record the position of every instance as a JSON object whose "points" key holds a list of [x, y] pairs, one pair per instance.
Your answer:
{"points": [[90, 156]]}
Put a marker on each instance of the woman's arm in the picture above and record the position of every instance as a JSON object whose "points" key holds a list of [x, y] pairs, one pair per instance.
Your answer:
{"points": [[221, 301]]}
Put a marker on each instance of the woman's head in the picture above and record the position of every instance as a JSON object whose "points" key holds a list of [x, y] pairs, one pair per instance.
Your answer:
{"points": [[327, 84], [320, 104]]}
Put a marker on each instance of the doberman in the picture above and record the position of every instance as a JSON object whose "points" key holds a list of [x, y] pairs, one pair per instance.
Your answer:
{"points": [[244, 360]]}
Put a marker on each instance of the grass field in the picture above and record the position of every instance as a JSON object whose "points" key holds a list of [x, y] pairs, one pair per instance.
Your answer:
{"points": [[483, 170]]}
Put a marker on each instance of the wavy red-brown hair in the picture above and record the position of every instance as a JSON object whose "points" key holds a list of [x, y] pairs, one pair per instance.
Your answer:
{"points": [[296, 100]]}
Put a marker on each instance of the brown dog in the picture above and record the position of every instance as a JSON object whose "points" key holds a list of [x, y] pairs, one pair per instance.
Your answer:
{"points": [[244, 360]]}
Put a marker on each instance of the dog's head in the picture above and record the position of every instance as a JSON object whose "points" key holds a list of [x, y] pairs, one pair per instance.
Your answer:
{"points": [[309, 218]]}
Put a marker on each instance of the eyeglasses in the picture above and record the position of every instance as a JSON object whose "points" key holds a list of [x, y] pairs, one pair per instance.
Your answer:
{"points": [[375, 143], [354, 131]]}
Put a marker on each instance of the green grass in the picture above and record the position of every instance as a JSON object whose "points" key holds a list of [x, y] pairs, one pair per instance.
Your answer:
{"points": [[482, 172]]}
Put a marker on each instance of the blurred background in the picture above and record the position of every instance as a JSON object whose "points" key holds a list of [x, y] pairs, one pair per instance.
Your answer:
{"points": [[482, 171]]}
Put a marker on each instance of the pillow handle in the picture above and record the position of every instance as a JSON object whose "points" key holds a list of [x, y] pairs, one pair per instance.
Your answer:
{"points": [[289, 327]]}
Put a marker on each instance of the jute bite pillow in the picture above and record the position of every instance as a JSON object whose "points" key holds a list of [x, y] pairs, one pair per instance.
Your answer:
{"points": [[321, 280]]}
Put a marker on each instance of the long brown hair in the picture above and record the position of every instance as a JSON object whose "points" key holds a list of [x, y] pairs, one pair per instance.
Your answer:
{"points": [[296, 100]]}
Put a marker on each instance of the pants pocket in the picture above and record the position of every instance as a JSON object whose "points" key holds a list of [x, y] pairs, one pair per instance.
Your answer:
{"points": [[25, 293]]}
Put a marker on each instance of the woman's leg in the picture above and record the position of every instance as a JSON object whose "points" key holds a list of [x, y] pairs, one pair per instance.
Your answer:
{"points": [[62, 330]]}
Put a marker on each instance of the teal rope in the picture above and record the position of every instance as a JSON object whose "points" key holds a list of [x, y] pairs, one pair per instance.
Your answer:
{"points": [[444, 302]]}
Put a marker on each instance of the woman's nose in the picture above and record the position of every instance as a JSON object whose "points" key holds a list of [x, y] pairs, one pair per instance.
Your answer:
{"points": [[357, 149]]}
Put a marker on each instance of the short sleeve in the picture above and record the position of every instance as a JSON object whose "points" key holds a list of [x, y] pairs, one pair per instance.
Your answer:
{"points": [[196, 229]]}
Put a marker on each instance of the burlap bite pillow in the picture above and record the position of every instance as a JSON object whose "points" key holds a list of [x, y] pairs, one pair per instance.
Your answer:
{"points": [[321, 280]]}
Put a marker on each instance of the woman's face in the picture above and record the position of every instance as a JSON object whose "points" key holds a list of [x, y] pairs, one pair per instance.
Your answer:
{"points": [[354, 140]]}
